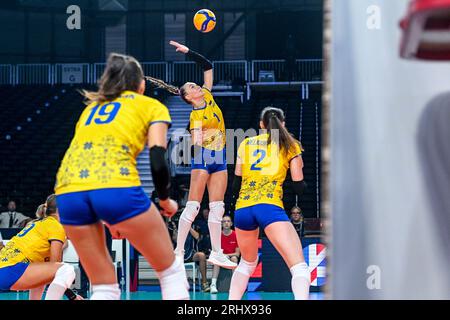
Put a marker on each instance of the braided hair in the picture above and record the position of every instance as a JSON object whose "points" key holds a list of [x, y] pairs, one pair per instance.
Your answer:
{"points": [[161, 84], [169, 88]]}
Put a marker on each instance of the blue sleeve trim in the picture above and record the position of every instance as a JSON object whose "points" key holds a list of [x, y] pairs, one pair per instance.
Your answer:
{"points": [[161, 121]]}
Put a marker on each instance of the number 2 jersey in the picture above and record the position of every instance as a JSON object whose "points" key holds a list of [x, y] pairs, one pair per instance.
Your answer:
{"points": [[32, 244], [108, 138], [264, 169]]}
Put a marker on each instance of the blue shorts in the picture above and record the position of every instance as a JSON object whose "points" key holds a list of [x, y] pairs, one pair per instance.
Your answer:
{"points": [[210, 160], [260, 215], [112, 205], [10, 275]]}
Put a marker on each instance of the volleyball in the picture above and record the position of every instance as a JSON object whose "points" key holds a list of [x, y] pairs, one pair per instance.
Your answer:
{"points": [[204, 20]]}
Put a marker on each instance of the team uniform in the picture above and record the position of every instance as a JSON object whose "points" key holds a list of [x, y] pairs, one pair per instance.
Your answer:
{"points": [[209, 120], [264, 169], [30, 245], [98, 178]]}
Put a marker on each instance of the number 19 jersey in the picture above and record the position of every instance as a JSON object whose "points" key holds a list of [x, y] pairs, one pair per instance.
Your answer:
{"points": [[264, 169], [108, 138]]}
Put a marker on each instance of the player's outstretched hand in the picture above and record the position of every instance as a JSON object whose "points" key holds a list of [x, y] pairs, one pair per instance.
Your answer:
{"points": [[180, 48], [169, 207]]}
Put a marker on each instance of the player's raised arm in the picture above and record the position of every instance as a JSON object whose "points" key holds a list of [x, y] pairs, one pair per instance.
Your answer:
{"points": [[200, 60]]}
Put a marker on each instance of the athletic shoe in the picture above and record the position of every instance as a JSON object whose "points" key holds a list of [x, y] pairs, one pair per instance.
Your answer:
{"points": [[221, 260], [213, 289], [205, 287]]}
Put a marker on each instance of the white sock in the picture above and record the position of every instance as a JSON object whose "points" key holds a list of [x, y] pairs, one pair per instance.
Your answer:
{"points": [[301, 280], [105, 292], [184, 224], [239, 280], [216, 211], [64, 278], [173, 281], [213, 281], [55, 292]]}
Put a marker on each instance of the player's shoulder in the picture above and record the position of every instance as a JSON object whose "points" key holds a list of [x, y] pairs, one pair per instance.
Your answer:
{"points": [[245, 142], [51, 222], [208, 93]]}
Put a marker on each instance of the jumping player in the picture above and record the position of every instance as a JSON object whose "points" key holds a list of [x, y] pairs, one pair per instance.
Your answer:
{"points": [[261, 168], [32, 259], [98, 181], [209, 167]]}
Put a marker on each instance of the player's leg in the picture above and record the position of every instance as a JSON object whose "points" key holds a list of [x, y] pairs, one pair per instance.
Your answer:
{"points": [[217, 185], [90, 243], [285, 239], [147, 232], [213, 287], [200, 257], [248, 245], [199, 177], [78, 214], [36, 275]]}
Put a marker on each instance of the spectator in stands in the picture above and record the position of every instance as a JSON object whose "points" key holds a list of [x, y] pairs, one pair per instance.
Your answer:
{"points": [[229, 246], [172, 227], [12, 218], [183, 197], [200, 232], [297, 221]]}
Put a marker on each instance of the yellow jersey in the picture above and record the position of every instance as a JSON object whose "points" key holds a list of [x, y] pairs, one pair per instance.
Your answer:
{"points": [[108, 138], [209, 119], [32, 244], [264, 169]]}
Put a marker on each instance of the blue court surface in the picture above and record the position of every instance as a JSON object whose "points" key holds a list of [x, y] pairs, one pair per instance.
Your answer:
{"points": [[146, 295]]}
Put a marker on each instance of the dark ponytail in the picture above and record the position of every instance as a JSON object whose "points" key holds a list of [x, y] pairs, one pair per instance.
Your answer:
{"points": [[122, 73], [272, 119], [50, 205]]}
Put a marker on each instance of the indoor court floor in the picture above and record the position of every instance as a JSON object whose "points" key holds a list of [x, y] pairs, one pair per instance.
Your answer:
{"points": [[148, 295]]}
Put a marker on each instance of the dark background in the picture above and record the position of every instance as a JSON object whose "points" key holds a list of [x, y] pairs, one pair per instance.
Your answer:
{"points": [[34, 31]]}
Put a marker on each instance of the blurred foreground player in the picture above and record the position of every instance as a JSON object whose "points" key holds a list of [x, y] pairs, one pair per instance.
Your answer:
{"points": [[425, 36]]}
